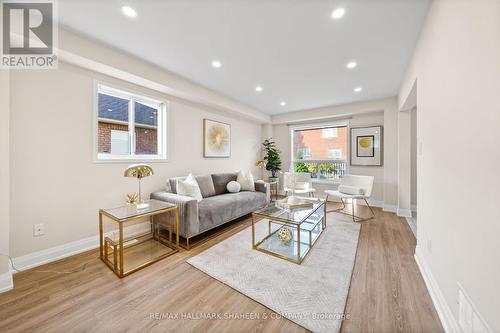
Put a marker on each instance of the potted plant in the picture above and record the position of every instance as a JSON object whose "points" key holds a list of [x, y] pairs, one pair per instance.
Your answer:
{"points": [[272, 158]]}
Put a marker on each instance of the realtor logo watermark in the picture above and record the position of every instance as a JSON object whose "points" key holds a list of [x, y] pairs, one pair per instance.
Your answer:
{"points": [[29, 34]]}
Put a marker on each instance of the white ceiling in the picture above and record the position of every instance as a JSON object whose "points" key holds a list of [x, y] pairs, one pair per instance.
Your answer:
{"points": [[292, 48]]}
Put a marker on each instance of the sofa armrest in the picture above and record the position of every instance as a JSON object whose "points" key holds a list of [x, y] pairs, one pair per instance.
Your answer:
{"points": [[188, 211], [264, 188]]}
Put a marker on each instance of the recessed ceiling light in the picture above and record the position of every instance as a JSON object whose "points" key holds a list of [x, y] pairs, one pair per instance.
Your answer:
{"points": [[129, 11], [358, 89], [351, 64], [216, 64], [338, 13], [258, 89], [283, 103]]}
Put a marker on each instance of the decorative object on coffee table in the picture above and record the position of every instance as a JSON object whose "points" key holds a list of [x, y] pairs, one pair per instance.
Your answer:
{"points": [[139, 171], [216, 139], [307, 224], [285, 235], [126, 255], [366, 146], [297, 202]]}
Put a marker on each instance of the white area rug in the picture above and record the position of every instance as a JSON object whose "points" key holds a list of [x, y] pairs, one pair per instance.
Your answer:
{"points": [[312, 294]]}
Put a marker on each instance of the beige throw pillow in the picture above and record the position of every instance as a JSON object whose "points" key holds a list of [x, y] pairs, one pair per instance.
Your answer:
{"points": [[189, 187], [246, 181]]}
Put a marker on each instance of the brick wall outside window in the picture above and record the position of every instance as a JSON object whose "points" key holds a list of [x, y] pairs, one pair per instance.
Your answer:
{"points": [[146, 138]]}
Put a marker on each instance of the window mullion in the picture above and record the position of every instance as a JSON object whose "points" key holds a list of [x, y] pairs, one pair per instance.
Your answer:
{"points": [[131, 118]]}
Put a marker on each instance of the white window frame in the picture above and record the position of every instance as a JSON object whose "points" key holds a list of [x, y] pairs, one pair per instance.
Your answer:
{"points": [[162, 129], [344, 123]]}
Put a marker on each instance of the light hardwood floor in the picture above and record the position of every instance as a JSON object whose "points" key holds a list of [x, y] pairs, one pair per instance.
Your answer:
{"points": [[387, 292]]}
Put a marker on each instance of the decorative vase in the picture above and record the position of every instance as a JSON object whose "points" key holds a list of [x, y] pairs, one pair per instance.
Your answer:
{"points": [[273, 179]]}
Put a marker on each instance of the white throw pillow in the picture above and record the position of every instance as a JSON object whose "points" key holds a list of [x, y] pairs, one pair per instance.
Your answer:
{"points": [[233, 187], [351, 190], [189, 187], [246, 181]]}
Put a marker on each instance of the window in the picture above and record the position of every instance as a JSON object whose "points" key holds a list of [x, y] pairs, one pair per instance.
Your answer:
{"points": [[129, 126], [304, 153], [320, 150], [335, 153], [329, 133]]}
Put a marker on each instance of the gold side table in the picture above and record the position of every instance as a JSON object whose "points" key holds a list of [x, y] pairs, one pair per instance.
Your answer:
{"points": [[126, 255]]}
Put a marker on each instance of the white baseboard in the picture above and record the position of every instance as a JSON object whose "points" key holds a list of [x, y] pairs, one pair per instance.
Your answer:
{"points": [[373, 203], [403, 212], [450, 324], [6, 282], [413, 225], [389, 208], [69, 249]]}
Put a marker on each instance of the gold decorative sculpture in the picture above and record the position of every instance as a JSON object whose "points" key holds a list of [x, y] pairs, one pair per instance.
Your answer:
{"points": [[132, 198], [260, 164], [285, 235], [139, 171]]}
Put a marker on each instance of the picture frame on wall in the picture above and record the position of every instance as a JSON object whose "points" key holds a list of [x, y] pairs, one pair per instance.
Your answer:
{"points": [[216, 139], [366, 146]]}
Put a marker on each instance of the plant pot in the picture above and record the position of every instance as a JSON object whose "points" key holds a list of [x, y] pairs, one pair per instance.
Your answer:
{"points": [[273, 179]]}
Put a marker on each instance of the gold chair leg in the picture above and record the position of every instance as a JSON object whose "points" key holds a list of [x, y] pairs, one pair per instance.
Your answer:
{"points": [[339, 210], [371, 210], [352, 213]]}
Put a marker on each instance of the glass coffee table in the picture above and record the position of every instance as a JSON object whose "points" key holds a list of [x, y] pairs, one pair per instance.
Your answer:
{"points": [[291, 233]]}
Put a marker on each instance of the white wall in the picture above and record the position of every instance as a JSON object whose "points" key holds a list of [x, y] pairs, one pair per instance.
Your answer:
{"points": [[53, 178], [456, 65], [414, 158], [375, 112], [404, 163], [4, 170]]}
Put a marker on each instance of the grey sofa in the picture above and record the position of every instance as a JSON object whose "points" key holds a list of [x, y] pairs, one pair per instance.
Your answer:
{"points": [[218, 205]]}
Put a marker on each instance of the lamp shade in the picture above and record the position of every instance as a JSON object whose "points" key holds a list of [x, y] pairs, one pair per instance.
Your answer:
{"points": [[138, 171]]}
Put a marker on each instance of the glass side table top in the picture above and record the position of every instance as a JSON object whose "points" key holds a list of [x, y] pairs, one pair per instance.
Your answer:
{"points": [[294, 216], [129, 211]]}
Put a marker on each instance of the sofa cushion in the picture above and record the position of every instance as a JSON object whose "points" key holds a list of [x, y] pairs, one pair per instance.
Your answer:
{"points": [[220, 181], [246, 181], [206, 185], [189, 187], [222, 208], [173, 183]]}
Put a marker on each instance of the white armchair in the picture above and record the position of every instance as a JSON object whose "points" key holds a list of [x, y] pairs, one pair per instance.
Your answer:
{"points": [[298, 183], [353, 187]]}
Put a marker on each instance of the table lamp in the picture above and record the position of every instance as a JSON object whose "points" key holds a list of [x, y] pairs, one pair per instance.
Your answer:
{"points": [[139, 171]]}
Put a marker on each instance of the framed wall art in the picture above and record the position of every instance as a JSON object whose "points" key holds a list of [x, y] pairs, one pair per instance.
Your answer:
{"points": [[216, 139], [366, 146]]}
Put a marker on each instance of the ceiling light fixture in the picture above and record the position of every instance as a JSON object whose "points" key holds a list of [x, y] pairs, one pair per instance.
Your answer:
{"points": [[338, 13], [129, 11], [358, 89], [258, 89], [351, 64], [283, 103], [216, 64]]}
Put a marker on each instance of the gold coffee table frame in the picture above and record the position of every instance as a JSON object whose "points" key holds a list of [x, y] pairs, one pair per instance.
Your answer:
{"points": [[293, 224], [120, 247]]}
